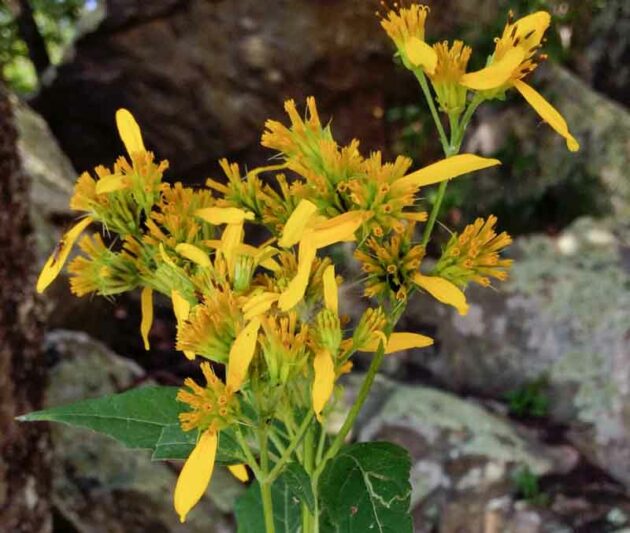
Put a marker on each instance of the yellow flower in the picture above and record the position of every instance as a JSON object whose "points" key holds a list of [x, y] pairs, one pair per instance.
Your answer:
{"points": [[450, 67], [514, 57], [313, 233], [474, 255], [443, 290], [55, 262], [406, 28], [214, 407]]}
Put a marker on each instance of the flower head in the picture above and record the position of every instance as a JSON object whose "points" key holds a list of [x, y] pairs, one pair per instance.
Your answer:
{"points": [[474, 255], [450, 67]]}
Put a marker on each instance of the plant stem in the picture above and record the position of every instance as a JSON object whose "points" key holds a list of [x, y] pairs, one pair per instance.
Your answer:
{"points": [[276, 470], [251, 460], [434, 113], [265, 484]]}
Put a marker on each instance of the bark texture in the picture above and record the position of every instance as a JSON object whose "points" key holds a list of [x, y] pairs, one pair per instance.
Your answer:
{"points": [[24, 448]]}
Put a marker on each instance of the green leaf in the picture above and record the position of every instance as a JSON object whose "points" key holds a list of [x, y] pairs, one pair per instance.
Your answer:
{"points": [[286, 509], [366, 488], [177, 444], [299, 483], [136, 418], [147, 417]]}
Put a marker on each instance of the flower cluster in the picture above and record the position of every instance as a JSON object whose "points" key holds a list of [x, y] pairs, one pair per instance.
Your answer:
{"points": [[269, 312]]}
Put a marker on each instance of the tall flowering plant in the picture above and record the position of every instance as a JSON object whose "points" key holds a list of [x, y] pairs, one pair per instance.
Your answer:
{"points": [[264, 320]]}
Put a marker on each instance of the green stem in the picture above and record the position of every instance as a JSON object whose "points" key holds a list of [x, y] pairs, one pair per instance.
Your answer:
{"points": [[265, 484], [434, 113], [251, 460], [276, 470], [434, 212]]}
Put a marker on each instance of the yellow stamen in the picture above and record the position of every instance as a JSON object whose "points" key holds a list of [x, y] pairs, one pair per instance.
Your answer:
{"points": [[195, 476]]}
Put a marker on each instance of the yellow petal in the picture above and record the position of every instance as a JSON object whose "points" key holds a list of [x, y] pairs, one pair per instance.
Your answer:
{"points": [[230, 243], [259, 304], [338, 229], [194, 254], [241, 354], [239, 472], [534, 25], [449, 168], [443, 290], [111, 183], [195, 476], [331, 298], [297, 286], [129, 132], [398, 342], [57, 259], [146, 306], [165, 257], [224, 215], [547, 112], [323, 382], [420, 54], [416, 216], [496, 74], [297, 223], [181, 306]]}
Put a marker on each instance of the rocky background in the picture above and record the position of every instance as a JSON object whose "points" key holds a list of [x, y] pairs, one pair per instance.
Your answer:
{"points": [[518, 419]]}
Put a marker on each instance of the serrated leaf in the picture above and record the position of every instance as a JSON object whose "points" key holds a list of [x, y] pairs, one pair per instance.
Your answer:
{"points": [[286, 509], [136, 417], [366, 488], [177, 444]]}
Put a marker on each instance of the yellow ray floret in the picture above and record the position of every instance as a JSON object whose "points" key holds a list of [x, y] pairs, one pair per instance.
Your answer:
{"points": [[399, 342], [194, 254], [241, 354], [146, 306], [447, 169], [443, 290], [224, 215], [323, 382], [239, 472], [297, 223], [331, 298], [196, 473], [548, 113], [55, 262], [129, 132], [421, 55]]}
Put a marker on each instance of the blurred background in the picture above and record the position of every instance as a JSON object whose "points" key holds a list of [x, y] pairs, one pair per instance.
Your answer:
{"points": [[517, 420]]}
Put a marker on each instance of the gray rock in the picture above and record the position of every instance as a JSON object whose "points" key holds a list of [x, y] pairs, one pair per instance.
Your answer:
{"points": [[100, 486], [51, 175], [564, 315]]}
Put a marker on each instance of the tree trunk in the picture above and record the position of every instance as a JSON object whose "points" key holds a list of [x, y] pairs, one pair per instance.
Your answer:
{"points": [[24, 448]]}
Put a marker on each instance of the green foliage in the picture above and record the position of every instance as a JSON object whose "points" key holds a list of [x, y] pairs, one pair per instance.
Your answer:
{"points": [[145, 418], [528, 487], [56, 21], [530, 399], [366, 488], [286, 508]]}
